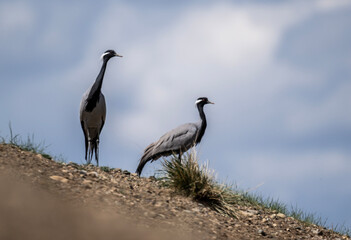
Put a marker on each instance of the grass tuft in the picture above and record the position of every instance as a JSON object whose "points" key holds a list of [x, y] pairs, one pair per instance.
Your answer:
{"points": [[28, 144], [195, 181], [106, 169]]}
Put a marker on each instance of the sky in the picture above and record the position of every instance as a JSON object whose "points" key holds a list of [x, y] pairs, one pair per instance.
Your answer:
{"points": [[279, 73]]}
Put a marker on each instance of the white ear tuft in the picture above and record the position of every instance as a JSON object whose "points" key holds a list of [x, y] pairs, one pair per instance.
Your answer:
{"points": [[102, 56], [197, 101]]}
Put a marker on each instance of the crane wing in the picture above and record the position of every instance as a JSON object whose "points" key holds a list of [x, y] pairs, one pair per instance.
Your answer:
{"points": [[180, 138]]}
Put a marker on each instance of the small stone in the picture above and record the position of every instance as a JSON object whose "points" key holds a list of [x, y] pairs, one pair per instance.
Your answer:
{"points": [[263, 233], [126, 172], [59, 178], [83, 172], [195, 209], [281, 215], [134, 174], [93, 174], [86, 181], [102, 177], [273, 216], [246, 214], [317, 232], [255, 212], [75, 165], [152, 178]]}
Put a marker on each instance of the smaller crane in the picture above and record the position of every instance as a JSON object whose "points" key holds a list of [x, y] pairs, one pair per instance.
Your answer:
{"points": [[178, 140]]}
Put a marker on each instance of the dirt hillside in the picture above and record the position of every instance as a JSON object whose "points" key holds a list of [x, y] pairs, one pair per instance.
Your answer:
{"points": [[43, 199]]}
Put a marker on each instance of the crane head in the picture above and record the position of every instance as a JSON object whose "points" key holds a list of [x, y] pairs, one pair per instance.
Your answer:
{"points": [[203, 101], [109, 54]]}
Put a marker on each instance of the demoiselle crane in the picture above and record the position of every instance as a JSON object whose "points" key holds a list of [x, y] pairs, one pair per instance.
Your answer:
{"points": [[178, 140], [93, 111]]}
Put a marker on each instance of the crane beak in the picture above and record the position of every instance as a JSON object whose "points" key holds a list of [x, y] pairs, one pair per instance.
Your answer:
{"points": [[210, 102], [117, 55]]}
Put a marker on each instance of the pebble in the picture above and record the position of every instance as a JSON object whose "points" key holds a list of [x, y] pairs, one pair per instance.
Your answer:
{"points": [[59, 178], [86, 181], [93, 174], [72, 164], [83, 172], [246, 213], [126, 172], [317, 232], [195, 210], [255, 212], [152, 178], [263, 233], [281, 215]]}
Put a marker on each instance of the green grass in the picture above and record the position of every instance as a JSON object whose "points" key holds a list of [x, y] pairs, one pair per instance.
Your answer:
{"points": [[29, 145], [199, 183], [292, 211], [106, 169]]}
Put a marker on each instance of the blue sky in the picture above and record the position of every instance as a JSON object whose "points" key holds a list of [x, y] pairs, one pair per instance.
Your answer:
{"points": [[278, 71]]}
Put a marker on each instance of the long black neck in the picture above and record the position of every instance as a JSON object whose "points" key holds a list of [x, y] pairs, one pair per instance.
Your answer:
{"points": [[100, 77], [95, 91], [203, 126]]}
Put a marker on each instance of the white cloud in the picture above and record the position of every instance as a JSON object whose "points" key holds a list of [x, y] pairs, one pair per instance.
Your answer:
{"points": [[16, 23], [203, 51], [329, 5], [16, 17]]}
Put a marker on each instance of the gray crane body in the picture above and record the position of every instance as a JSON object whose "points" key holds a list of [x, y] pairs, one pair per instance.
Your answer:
{"points": [[178, 140]]}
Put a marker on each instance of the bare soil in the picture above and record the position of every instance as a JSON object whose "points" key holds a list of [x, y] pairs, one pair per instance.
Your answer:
{"points": [[44, 199]]}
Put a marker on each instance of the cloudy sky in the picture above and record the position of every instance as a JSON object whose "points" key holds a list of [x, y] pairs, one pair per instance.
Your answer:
{"points": [[278, 71]]}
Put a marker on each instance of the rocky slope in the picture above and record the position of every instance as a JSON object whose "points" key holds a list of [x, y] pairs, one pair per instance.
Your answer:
{"points": [[43, 199]]}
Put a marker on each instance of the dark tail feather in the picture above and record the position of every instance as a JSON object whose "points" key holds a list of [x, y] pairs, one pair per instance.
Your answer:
{"points": [[145, 158], [141, 165]]}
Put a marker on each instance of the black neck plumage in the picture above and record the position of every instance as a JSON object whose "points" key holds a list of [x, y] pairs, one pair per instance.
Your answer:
{"points": [[203, 126], [95, 90]]}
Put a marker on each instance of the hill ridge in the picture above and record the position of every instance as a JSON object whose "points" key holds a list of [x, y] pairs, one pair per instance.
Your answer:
{"points": [[110, 195]]}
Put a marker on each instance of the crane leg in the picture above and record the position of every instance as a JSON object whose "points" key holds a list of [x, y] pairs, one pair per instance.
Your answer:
{"points": [[180, 156], [97, 152]]}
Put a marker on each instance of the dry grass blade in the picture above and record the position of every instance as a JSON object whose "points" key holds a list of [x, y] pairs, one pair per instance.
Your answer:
{"points": [[196, 181]]}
